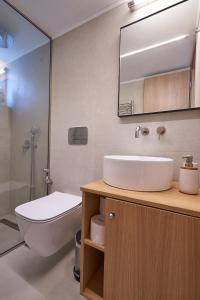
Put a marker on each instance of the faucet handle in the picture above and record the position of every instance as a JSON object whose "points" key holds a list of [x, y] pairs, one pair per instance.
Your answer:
{"points": [[144, 131], [160, 131]]}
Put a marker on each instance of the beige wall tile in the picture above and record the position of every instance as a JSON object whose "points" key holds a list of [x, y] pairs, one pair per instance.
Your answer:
{"points": [[85, 92]]}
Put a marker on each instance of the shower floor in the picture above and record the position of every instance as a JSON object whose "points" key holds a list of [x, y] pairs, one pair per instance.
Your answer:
{"points": [[9, 234]]}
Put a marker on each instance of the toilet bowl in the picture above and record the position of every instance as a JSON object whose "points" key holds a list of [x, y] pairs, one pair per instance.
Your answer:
{"points": [[48, 223]]}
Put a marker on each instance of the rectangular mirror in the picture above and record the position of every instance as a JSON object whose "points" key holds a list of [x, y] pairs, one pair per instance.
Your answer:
{"points": [[160, 62]]}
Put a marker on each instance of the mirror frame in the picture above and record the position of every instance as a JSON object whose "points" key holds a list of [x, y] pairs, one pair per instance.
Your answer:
{"points": [[121, 28]]}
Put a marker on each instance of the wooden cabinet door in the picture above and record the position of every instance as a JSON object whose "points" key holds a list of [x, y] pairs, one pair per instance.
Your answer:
{"points": [[150, 254]]}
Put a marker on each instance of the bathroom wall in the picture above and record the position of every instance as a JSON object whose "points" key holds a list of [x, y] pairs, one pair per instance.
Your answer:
{"points": [[85, 93], [28, 98], [197, 71]]}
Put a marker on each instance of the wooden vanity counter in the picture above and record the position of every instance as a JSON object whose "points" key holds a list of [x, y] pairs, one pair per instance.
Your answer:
{"points": [[171, 200], [151, 249]]}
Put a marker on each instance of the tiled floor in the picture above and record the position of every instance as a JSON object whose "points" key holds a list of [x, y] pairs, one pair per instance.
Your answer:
{"points": [[25, 276], [9, 235]]}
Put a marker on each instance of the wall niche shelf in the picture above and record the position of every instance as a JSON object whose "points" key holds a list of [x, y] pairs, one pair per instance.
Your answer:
{"points": [[91, 243]]}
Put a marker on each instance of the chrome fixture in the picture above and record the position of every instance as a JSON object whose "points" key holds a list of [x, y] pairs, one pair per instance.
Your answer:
{"points": [[35, 131], [160, 131], [26, 145], [144, 131], [6, 40], [31, 144], [78, 135], [48, 179], [131, 5], [2, 71], [126, 108]]}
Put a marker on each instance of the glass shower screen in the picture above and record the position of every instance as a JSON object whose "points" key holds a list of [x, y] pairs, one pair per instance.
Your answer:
{"points": [[24, 117]]}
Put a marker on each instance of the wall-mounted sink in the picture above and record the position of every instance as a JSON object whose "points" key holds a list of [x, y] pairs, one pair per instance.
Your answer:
{"points": [[138, 173]]}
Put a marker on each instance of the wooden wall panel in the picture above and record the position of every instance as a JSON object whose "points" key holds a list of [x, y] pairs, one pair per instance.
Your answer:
{"points": [[167, 92]]}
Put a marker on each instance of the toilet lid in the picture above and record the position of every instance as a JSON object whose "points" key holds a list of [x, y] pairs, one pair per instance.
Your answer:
{"points": [[48, 207]]}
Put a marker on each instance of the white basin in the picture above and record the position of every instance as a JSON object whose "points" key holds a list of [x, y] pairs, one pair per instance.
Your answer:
{"points": [[138, 173]]}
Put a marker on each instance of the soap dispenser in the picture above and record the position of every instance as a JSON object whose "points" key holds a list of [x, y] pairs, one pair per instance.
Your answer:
{"points": [[189, 176]]}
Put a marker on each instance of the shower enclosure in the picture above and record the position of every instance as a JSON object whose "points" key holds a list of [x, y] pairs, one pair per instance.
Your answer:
{"points": [[25, 56]]}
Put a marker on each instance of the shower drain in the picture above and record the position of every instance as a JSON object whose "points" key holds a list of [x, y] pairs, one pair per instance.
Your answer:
{"points": [[10, 224]]}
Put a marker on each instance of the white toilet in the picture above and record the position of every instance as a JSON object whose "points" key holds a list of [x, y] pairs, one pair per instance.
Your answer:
{"points": [[48, 223]]}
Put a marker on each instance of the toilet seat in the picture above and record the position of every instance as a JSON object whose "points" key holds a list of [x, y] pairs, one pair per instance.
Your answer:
{"points": [[49, 208]]}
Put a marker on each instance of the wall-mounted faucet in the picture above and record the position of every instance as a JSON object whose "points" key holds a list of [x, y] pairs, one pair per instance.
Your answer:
{"points": [[160, 131], [144, 131]]}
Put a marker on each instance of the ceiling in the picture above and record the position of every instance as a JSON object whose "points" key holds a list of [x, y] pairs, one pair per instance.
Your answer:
{"points": [[26, 36], [56, 17]]}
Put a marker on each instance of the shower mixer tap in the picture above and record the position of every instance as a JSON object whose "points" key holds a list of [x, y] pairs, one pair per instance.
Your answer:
{"points": [[48, 179], [26, 145]]}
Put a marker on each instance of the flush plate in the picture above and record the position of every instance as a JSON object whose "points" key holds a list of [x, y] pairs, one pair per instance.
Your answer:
{"points": [[78, 136]]}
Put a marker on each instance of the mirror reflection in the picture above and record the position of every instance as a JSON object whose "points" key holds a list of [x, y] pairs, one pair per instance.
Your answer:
{"points": [[159, 59]]}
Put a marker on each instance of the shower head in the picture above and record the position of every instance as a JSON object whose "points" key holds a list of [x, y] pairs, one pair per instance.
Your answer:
{"points": [[2, 71], [6, 40]]}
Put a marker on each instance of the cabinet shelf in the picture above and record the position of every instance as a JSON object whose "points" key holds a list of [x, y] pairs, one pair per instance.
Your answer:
{"points": [[92, 253], [89, 294], [111, 271], [93, 244], [94, 288]]}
